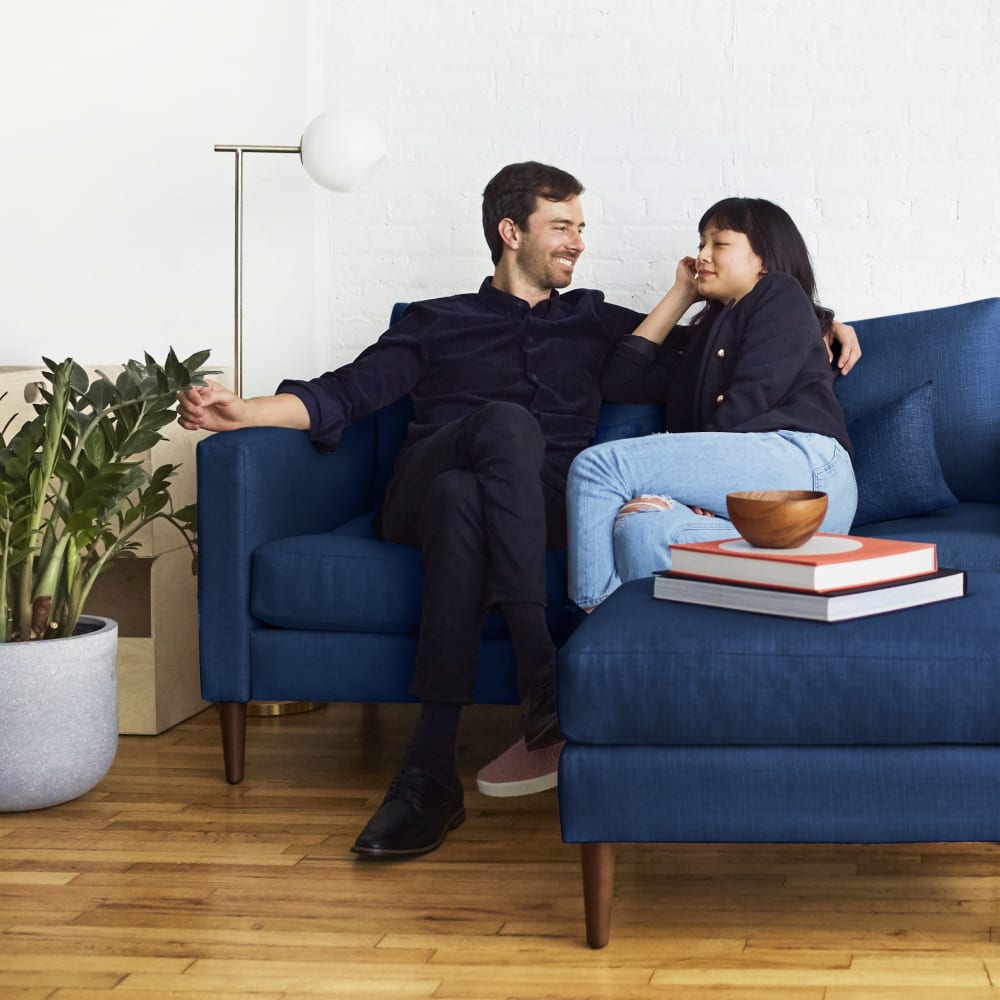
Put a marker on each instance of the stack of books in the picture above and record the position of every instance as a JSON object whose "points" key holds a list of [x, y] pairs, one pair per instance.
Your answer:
{"points": [[830, 578]]}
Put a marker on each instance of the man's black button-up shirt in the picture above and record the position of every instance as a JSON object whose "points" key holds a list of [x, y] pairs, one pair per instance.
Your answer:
{"points": [[454, 354]]}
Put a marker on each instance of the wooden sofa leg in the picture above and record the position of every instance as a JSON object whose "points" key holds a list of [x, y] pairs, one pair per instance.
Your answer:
{"points": [[598, 862], [233, 719]]}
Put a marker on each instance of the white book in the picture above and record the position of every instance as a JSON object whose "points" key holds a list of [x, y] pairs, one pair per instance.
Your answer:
{"points": [[833, 606]]}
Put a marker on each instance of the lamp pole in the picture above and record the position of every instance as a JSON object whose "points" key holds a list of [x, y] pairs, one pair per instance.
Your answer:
{"points": [[238, 282], [337, 149], [256, 708]]}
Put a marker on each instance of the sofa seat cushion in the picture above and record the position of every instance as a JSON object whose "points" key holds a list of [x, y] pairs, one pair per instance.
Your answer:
{"points": [[348, 580], [967, 535], [641, 671]]}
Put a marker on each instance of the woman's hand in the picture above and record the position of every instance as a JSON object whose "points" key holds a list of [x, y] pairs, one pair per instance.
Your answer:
{"points": [[685, 279], [667, 313]]}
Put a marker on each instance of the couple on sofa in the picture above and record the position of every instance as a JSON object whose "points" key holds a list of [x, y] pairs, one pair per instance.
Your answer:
{"points": [[506, 385]]}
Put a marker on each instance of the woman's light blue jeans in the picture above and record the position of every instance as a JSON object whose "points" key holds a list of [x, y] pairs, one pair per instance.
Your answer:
{"points": [[685, 470]]}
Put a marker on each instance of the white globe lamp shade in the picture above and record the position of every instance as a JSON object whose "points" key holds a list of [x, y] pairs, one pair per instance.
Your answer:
{"points": [[340, 147]]}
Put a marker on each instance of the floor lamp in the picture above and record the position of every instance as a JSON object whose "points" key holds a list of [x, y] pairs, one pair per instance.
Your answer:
{"points": [[337, 150]]}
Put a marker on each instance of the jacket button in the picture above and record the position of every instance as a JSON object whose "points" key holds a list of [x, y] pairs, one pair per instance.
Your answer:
{"points": [[721, 352], [719, 398]]}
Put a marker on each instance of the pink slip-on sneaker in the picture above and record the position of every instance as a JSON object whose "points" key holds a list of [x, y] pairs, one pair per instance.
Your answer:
{"points": [[520, 771]]}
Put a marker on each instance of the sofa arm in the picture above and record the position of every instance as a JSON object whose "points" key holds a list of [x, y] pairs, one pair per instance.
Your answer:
{"points": [[255, 485]]}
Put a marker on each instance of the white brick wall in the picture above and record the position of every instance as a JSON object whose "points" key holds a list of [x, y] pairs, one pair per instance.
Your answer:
{"points": [[876, 125]]}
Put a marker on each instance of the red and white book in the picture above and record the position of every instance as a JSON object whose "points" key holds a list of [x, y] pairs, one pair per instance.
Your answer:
{"points": [[826, 562]]}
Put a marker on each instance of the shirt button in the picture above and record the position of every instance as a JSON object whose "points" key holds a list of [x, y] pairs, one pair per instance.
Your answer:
{"points": [[719, 398], [721, 352]]}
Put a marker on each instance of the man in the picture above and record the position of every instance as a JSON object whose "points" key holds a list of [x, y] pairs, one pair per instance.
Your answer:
{"points": [[504, 384]]}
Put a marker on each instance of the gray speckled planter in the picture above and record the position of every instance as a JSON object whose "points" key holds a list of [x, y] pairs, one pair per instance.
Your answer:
{"points": [[58, 716]]}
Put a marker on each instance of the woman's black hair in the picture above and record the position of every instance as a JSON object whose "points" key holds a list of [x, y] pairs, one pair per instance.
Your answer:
{"points": [[774, 237], [512, 192]]}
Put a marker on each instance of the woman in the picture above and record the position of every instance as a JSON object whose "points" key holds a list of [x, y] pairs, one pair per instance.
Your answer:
{"points": [[749, 399]]}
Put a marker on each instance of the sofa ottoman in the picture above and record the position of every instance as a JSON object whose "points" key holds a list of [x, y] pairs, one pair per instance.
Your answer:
{"points": [[696, 724]]}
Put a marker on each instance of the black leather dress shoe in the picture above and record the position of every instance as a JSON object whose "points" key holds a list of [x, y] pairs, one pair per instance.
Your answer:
{"points": [[415, 816], [541, 726]]}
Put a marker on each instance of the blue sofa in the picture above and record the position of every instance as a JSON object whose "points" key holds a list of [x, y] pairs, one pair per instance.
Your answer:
{"points": [[299, 601]]}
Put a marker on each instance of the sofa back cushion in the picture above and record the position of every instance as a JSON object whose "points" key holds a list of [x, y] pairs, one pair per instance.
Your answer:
{"points": [[955, 348], [896, 461]]}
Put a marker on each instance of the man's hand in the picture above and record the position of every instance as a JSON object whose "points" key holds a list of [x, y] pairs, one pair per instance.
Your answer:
{"points": [[850, 348], [211, 407]]}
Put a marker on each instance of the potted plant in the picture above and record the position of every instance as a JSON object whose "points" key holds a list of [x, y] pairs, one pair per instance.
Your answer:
{"points": [[75, 491]]}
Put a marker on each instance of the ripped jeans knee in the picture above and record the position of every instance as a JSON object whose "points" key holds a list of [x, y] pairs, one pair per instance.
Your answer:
{"points": [[643, 502]]}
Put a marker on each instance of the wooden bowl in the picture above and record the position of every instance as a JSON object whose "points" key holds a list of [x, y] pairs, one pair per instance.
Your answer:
{"points": [[777, 519]]}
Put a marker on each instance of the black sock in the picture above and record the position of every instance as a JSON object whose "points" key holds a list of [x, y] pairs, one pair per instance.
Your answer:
{"points": [[533, 646], [432, 745]]}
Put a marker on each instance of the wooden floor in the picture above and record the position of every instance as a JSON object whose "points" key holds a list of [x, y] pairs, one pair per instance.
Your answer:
{"points": [[166, 882]]}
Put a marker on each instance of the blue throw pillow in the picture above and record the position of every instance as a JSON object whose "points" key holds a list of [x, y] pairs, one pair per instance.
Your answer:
{"points": [[896, 462]]}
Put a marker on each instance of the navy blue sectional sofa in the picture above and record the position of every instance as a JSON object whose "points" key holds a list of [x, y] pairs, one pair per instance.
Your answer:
{"points": [[298, 600], [695, 724]]}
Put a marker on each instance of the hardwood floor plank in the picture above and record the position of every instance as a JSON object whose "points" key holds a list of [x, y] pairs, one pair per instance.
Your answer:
{"points": [[863, 971], [210, 942], [36, 878], [910, 993], [98, 964], [237, 993], [319, 983]]}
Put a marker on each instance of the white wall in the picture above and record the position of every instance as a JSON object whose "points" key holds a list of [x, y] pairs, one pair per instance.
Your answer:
{"points": [[116, 226], [876, 125]]}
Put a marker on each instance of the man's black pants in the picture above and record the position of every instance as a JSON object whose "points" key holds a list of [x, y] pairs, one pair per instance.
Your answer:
{"points": [[483, 504]]}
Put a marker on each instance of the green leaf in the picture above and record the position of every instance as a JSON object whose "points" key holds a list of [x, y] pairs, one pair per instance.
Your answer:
{"points": [[70, 475], [102, 392], [196, 360], [176, 372], [154, 421], [187, 513], [96, 448], [139, 442]]}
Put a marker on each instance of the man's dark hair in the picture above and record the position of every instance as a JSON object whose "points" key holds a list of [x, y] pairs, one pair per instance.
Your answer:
{"points": [[512, 192], [773, 236]]}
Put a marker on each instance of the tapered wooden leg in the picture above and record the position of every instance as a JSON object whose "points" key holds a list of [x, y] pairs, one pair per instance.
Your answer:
{"points": [[598, 862], [233, 719]]}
